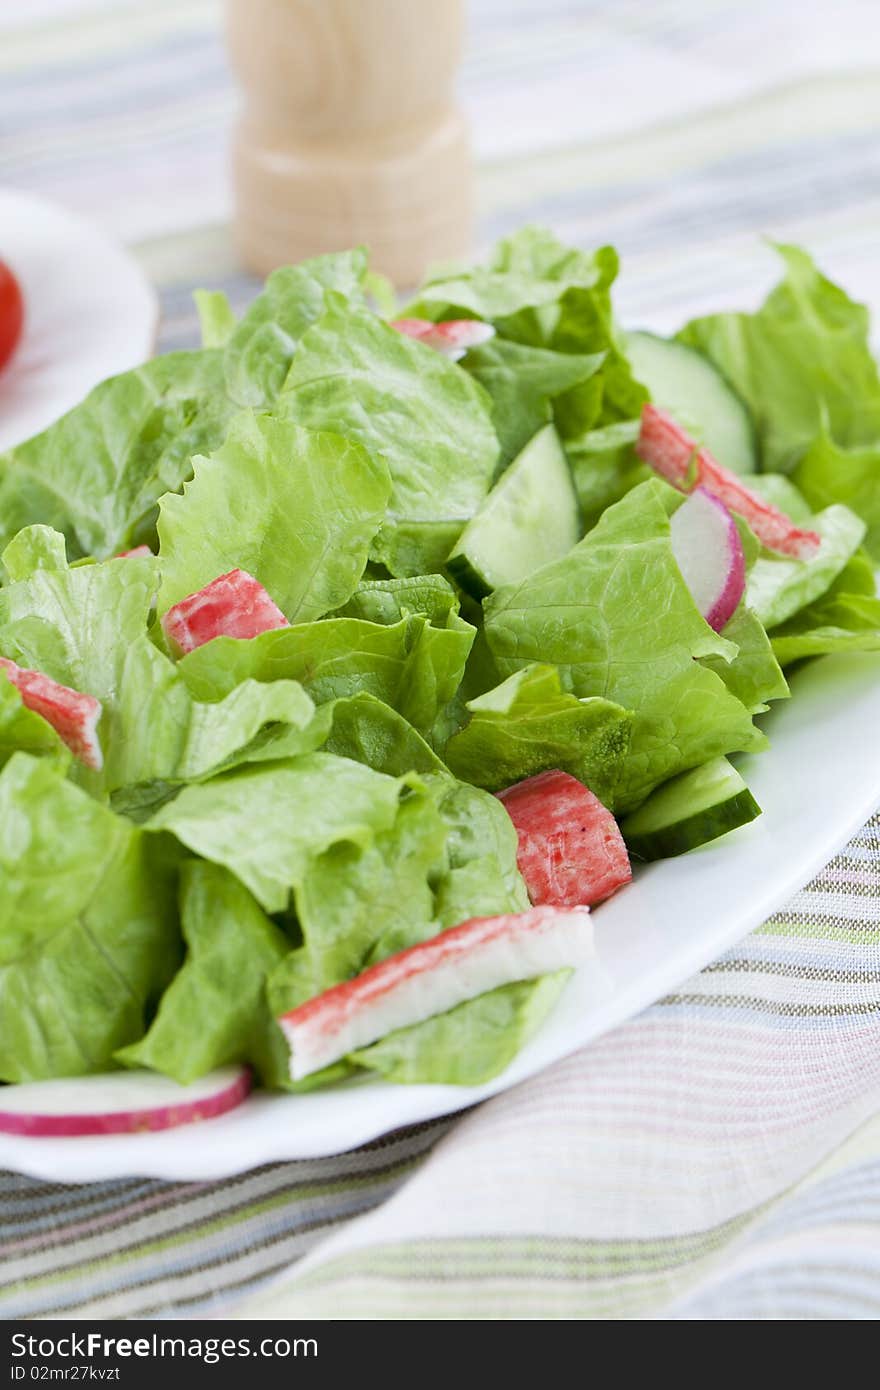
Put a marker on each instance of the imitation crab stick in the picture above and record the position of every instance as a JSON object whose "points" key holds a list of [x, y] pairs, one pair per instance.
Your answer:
{"points": [[73, 716], [570, 852], [453, 338], [431, 978], [233, 605], [672, 453], [137, 553]]}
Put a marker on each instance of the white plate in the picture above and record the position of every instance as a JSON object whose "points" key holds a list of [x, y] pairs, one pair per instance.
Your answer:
{"points": [[818, 783], [89, 313]]}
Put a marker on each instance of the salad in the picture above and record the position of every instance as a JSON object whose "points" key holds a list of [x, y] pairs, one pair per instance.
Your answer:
{"points": [[347, 661]]}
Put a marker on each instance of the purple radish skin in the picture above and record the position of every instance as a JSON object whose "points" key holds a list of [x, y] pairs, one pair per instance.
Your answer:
{"points": [[132, 1102], [708, 549]]}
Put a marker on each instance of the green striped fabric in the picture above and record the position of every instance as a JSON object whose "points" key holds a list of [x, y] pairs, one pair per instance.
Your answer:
{"points": [[719, 1155]]}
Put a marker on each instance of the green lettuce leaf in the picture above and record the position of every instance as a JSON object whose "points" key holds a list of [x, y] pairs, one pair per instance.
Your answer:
{"points": [[828, 473], [316, 801], [845, 618], [388, 600], [88, 927], [34, 548], [616, 616], [481, 878], [527, 271], [540, 293], [217, 320], [529, 724], [157, 732], [523, 381], [215, 1010], [471, 1043], [408, 405], [78, 625], [802, 364], [98, 472], [86, 626], [298, 510], [753, 675], [778, 586], [261, 347], [604, 467], [411, 665], [357, 904], [369, 731]]}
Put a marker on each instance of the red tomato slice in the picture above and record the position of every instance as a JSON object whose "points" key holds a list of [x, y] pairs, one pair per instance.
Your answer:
{"points": [[11, 313]]}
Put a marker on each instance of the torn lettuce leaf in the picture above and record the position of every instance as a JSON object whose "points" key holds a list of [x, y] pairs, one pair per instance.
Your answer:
{"points": [[753, 675], [829, 473], [369, 731], [215, 1010], [155, 731], [411, 665], [88, 926], [76, 624], [217, 321], [260, 348], [529, 724], [296, 509], [845, 618], [388, 600], [778, 586], [314, 801], [542, 294], [409, 406], [604, 467], [802, 364], [97, 473], [357, 904], [616, 617], [523, 381], [481, 878]]}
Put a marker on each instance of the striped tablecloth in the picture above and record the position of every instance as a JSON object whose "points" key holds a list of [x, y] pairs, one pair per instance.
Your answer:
{"points": [[719, 1156]]}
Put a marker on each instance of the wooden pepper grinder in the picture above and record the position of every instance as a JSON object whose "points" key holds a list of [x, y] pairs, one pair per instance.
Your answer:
{"points": [[349, 132]]}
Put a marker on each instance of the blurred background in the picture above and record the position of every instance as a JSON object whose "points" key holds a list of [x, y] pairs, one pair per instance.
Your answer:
{"points": [[681, 130]]}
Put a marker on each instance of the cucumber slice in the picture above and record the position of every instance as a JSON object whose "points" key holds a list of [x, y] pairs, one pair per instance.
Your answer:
{"points": [[690, 810], [530, 517], [684, 382]]}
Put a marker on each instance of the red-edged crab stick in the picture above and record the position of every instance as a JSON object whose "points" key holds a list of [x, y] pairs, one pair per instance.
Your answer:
{"points": [[73, 715], [453, 338], [232, 605], [672, 453], [431, 978]]}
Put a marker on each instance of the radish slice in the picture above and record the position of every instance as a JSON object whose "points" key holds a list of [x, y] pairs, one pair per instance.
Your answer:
{"points": [[73, 716], [571, 853], [233, 605], [122, 1102], [431, 978], [669, 450], [709, 552], [139, 550], [453, 338]]}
